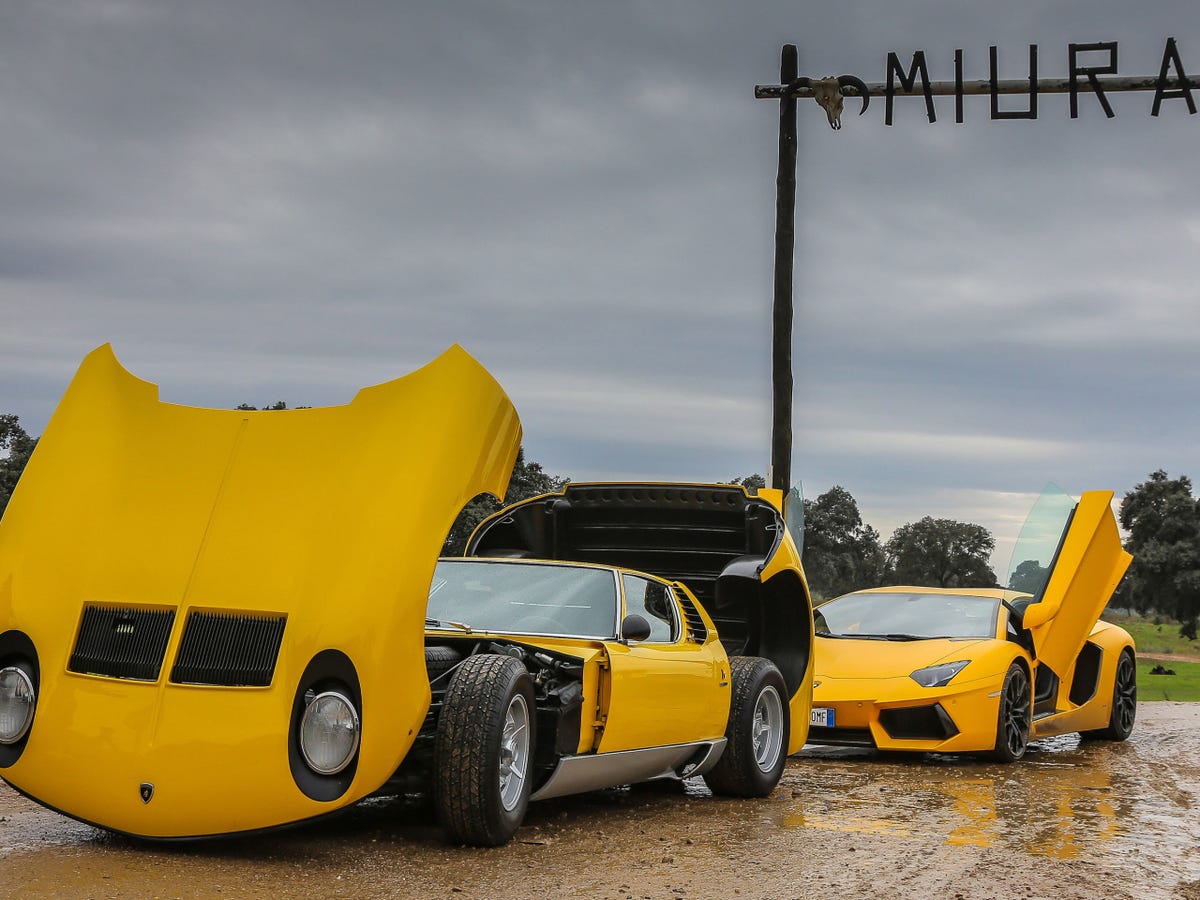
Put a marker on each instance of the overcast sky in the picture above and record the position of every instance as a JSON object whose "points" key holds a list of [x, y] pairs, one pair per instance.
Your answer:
{"points": [[291, 200]]}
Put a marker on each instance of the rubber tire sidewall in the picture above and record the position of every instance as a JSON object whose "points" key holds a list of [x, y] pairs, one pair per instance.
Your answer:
{"points": [[466, 784], [1114, 731], [737, 773], [1001, 751]]}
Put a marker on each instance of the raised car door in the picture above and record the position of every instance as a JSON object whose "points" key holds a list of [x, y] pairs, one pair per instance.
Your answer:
{"points": [[1082, 576], [667, 689]]}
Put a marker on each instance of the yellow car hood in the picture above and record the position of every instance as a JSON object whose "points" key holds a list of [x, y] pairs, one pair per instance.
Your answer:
{"points": [[332, 517], [868, 659]]}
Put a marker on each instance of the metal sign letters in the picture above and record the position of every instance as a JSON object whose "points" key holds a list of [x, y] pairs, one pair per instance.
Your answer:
{"points": [[1092, 68]]}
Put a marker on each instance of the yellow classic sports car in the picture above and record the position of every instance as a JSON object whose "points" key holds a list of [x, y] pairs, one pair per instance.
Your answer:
{"points": [[217, 621], [977, 669]]}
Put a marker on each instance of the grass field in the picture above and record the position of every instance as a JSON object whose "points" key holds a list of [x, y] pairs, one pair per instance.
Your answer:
{"points": [[1154, 639], [1160, 640]]}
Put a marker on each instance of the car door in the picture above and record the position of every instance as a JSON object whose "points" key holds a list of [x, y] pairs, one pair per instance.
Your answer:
{"points": [[667, 689], [1080, 580]]}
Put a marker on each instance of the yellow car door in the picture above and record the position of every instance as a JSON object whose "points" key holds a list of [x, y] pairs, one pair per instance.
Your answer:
{"points": [[667, 689], [1089, 564]]}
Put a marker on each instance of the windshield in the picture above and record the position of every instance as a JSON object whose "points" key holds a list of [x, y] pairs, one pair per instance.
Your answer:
{"points": [[904, 615], [513, 597], [1033, 555]]}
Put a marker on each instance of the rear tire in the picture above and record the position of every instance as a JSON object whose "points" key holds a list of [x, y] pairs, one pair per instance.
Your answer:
{"points": [[1124, 702], [1015, 716], [483, 752], [756, 737]]}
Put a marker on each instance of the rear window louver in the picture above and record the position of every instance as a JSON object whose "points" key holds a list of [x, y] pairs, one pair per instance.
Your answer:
{"points": [[696, 629], [229, 649], [122, 642]]}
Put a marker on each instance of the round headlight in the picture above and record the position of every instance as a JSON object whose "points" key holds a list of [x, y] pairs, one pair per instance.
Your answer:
{"points": [[16, 704], [329, 732]]}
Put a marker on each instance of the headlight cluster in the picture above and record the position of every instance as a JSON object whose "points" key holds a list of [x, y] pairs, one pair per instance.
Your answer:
{"points": [[940, 675], [17, 698], [329, 732]]}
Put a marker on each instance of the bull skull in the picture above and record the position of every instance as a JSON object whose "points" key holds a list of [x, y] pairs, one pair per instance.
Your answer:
{"points": [[828, 93]]}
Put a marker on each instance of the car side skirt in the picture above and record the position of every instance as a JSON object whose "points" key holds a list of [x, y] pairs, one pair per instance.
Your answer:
{"points": [[591, 772]]}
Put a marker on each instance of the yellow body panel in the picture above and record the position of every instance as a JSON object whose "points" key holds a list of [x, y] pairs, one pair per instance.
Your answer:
{"points": [[859, 679], [666, 694], [783, 564], [331, 516], [1090, 564]]}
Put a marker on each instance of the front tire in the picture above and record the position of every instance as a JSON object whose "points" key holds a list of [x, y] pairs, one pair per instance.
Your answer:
{"points": [[1013, 721], [757, 734], [1124, 702], [483, 752]]}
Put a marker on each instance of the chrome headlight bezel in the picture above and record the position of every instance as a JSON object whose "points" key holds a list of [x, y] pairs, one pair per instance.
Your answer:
{"points": [[939, 674], [16, 688], [324, 716]]}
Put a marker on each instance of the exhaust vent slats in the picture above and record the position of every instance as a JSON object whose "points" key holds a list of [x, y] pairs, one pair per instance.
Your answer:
{"points": [[697, 631], [229, 649], [122, 642]]}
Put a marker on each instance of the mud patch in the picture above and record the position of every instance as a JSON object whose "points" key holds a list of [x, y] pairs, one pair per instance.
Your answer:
{"points": [[1073, 820]]}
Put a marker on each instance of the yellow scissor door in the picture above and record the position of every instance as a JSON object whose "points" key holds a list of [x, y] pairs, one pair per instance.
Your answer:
{"points": [[1082, 577]]}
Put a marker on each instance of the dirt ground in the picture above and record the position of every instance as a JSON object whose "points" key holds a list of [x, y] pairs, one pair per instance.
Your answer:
{"points": [[1072, 820]]}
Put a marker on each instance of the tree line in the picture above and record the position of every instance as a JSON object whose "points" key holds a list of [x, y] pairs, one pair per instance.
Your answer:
{"points": [[1160, 516], [842, 553]]}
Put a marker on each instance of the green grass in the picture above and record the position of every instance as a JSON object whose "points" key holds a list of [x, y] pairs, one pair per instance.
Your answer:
{"points": [[1183, 685], [1152, 639]]}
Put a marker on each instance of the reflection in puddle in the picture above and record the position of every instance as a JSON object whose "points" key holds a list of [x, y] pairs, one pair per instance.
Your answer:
{"points": [[1067, 800]]}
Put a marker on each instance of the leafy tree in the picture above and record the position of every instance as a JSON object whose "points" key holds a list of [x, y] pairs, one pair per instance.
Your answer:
{"points": [[941, 553], [528, 480], [276, 406], [751, 482], [841, 553], [1029, 577], [1163, 521], [19, 446]]}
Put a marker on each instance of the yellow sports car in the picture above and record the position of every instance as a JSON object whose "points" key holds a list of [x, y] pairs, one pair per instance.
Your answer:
{"points": [[977, 669], [219, 621]]}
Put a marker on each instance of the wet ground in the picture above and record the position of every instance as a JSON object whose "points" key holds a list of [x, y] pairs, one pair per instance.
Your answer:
{"points": [[1072, 820]]}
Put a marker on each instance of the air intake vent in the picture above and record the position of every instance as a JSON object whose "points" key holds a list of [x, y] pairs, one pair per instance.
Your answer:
{"points": [[229, 649], [697, 631], [122, 643]]}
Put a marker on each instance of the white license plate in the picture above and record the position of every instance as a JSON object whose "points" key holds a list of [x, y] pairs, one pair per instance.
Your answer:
{"points": [[822, 717]]}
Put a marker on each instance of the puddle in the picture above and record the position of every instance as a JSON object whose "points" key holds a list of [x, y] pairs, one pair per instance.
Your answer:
{"points": [[1129, 807], [1072, 820]]}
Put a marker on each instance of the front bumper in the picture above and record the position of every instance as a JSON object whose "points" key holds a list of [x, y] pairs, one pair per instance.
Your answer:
{"points": [[898, 714]]}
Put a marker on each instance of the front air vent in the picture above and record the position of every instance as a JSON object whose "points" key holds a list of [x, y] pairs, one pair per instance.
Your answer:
{"points": [[122, 642], [229, 649], [918, 723]]}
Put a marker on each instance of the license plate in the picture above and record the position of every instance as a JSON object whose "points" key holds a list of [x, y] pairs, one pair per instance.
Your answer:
{"points": [[822, 717]]}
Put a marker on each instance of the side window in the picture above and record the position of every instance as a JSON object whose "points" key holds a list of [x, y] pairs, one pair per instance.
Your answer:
{"points": [[652, 600]]}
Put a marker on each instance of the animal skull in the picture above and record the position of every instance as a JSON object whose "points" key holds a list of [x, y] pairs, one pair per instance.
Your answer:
{"points": [[828, 93]]}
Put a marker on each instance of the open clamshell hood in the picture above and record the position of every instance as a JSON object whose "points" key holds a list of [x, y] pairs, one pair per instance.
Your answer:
{"points": [[330, 519]]}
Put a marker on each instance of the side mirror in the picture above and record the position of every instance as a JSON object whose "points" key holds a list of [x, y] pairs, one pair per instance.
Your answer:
{"points": [[634, 628], [1037, 614]]}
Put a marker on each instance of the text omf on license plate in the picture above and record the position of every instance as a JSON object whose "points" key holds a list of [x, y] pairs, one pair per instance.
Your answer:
{"points": [[821, 717]]}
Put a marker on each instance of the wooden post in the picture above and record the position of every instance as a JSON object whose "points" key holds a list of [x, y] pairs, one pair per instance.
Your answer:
{"points": [[785, 242]]}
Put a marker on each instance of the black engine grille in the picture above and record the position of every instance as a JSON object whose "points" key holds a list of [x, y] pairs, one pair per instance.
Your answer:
{"points": [[228, 649], [122, 642]]}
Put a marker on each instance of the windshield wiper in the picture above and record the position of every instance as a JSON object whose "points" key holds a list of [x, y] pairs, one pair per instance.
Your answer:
{"points": [[438, 623]]}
